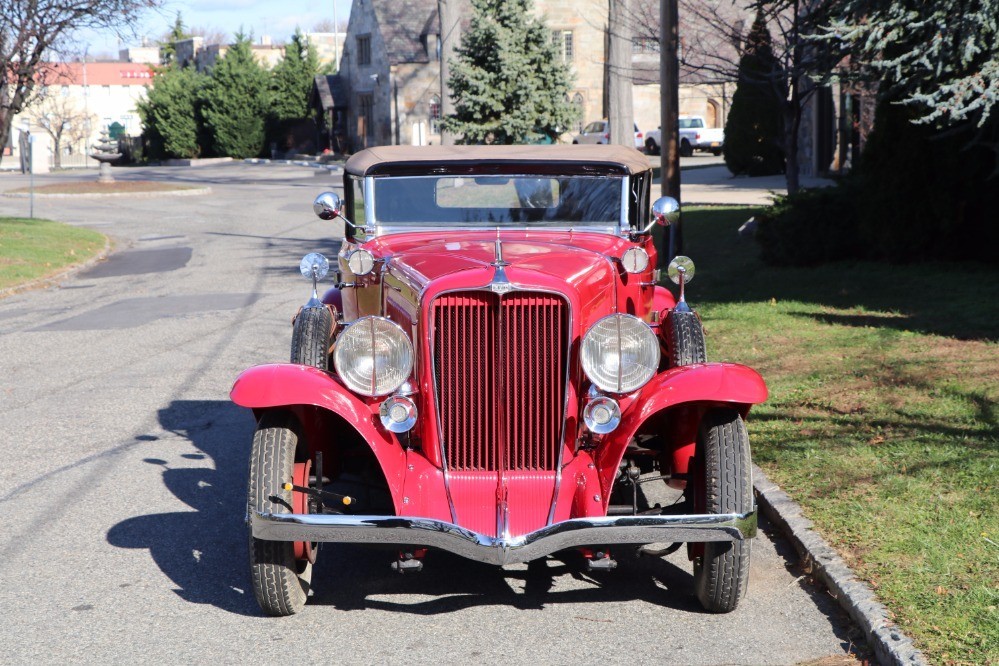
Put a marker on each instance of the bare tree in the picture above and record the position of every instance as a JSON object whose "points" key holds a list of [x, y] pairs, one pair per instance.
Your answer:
{"points": [[712, 40], [63, 120], [328, 25], [32, 32], [210, 35]]}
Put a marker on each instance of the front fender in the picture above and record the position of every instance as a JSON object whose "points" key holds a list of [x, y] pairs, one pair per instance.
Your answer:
{"points": [[288, 385], [729, 384]]}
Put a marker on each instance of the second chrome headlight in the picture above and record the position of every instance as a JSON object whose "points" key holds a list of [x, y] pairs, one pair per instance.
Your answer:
{"points": [[373, 356], [620, 353]]}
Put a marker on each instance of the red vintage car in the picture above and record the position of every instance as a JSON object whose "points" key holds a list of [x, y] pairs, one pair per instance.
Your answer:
{"points": [[497, 373]]}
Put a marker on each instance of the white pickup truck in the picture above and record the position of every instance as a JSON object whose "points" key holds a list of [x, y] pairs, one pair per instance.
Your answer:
{"points": [[693, 136]]}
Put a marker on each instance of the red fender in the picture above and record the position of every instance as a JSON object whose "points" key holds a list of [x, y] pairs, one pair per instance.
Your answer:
{"points": [[720, 383], [286, 385]]}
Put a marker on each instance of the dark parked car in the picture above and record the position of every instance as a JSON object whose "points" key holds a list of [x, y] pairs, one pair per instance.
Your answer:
{"points": [[497, 373]]}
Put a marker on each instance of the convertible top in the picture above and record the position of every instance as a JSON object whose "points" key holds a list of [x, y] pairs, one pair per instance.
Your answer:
{"points": [[483, 160]]}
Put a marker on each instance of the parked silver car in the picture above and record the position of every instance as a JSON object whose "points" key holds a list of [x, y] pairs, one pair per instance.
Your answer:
{"points": [[599, 132]]}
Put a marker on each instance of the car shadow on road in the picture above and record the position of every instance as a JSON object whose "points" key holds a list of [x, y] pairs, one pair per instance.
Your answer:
{"points": [[204, 551], [359, 578]]}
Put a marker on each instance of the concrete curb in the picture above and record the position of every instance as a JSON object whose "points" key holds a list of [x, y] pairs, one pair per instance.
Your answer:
{"points": [[61, 275], [187, 192], [890, 645]]}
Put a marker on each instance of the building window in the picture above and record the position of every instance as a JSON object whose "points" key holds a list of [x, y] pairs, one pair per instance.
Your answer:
{"points": [[365, 116], [435, 115], [364, 49], [563, 44]]}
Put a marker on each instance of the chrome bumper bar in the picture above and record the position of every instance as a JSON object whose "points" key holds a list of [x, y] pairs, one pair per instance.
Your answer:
{"points": [[414, 531]]}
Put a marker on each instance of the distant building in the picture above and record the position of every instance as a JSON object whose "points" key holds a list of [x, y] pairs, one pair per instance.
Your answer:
{"points": [[194, 52], [83, 99]]}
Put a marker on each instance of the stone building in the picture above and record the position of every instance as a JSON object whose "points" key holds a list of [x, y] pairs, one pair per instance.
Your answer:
{"points": [[390, 71]]}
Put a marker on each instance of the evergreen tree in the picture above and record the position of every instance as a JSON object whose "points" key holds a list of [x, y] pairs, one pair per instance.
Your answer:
{"points": [[755, 128], [168, 47], [170, 113], [236, 101], [941, 57], [293, 78], [508, 83]]}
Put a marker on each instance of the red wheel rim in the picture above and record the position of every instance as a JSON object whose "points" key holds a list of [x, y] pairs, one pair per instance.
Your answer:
{"points": [[300, 504]]}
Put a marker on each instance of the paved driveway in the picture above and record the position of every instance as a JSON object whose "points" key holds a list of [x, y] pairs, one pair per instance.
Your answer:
{"points": [[122, 483]]}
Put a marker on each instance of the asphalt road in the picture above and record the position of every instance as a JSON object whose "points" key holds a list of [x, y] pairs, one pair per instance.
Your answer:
{"points": [[123, 471]]}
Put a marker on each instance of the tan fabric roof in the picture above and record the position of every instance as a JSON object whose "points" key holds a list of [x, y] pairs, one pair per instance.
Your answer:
{"points": [[618, 158]]}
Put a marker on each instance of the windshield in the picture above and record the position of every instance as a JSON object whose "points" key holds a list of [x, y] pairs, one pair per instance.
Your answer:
{"points": [[491, 201]]}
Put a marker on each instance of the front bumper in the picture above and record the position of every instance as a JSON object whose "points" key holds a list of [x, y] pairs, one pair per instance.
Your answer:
{"points": [[414, 531]]}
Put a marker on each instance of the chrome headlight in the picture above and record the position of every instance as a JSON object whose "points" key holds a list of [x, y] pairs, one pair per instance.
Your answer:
{"points": [[373, 356], [360, 262], [635, 260], [620, 353]]}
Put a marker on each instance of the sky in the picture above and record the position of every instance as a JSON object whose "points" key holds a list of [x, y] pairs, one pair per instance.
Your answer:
{"points": [[276, 18]]}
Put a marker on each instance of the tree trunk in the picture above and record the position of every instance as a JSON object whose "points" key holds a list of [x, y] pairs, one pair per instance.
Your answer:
{"points": [[448, 13], [620, 112], [669, 243], [5, 118]]}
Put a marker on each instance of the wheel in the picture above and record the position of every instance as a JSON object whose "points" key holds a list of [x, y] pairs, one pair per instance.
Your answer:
{"points": [[686, 339], [716, 152], [722, 484], [281, 570], [686, 150], [310, 338], [650, 147]]}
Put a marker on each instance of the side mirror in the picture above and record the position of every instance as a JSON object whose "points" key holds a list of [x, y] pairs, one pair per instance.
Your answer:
{"points": [[665, 211], [327, 206]]}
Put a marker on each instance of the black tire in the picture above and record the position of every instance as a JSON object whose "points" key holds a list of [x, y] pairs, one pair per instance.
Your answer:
{"points": [[686, 339], [686, 150], [650, 147], [716, 152], [723, 484], [281, 582], [310, 339]]}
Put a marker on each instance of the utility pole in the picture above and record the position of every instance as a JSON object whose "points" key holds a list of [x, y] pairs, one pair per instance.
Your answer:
{"points": [[669, 97], [448, 12], [620, 111]]}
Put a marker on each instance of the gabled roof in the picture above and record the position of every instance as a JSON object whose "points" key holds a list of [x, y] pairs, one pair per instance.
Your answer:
{"points": [[329, 88], [403, 24]]}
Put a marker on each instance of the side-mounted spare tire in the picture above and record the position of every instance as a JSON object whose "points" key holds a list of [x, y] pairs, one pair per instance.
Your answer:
{"points": [[310, 339], [685, 339]]}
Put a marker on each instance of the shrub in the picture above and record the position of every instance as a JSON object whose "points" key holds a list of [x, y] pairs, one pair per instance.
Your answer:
{"points": [[812, 226]]}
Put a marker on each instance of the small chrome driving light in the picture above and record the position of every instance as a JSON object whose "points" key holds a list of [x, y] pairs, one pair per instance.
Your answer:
{"points": [[635, 260], [398, 414], [314, 266], [681, 265], [360, 262], [602, 415]]}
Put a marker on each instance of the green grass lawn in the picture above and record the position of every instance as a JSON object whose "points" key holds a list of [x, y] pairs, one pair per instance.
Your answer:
{"points": [[882, 420], [31, 249]]}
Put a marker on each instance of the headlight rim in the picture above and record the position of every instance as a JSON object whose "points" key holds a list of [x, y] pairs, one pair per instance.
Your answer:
{"points": [[406, 371], [615, 388]]}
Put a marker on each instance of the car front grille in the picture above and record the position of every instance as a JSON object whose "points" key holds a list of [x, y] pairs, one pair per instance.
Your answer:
{"points": [[500, 374]]}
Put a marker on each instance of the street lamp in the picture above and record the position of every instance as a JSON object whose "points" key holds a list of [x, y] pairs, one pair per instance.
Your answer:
{"points": [[26, 129]]}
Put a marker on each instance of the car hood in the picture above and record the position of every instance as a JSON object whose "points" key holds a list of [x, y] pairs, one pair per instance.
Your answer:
{"points": [[582, 266]]}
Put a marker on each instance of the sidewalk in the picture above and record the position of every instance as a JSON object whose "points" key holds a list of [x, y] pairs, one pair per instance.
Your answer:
{"points": [[715, 185]]}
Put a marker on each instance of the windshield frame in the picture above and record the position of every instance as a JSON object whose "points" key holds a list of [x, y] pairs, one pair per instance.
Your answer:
{"points": [[373, 228]]}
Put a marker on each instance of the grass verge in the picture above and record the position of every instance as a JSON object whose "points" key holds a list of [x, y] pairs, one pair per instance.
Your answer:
{"points": [[883, 419], [32, 249]]}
